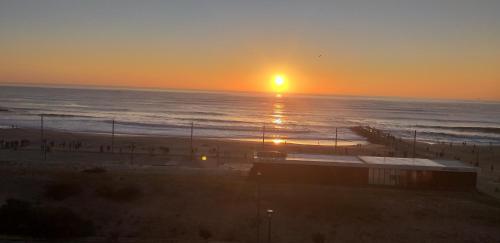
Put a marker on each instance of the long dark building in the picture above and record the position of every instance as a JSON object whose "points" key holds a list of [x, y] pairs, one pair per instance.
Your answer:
{"points": [[365, 170]]}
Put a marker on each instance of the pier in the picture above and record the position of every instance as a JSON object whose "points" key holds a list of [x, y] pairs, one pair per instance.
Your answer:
{"points": [[407, 148]]}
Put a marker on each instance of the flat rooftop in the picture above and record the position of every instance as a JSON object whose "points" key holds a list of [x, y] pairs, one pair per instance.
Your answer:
{"points": [[417, 164], [323, 159], [375, 162]]}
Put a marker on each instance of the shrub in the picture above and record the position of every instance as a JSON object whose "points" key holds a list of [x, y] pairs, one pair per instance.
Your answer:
{"points": [[21, 218], [95, 170], [121, 194], [205, 233], [165, 150], [318, 238], [62, 190]]}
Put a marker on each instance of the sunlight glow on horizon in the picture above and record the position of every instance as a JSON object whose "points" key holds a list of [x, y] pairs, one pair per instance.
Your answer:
{"points": [[278, 141], [279, 84], [279, 80], [443, 51]]}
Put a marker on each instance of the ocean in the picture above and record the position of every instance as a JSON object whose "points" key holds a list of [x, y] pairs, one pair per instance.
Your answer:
{"points": [[287, 118]]}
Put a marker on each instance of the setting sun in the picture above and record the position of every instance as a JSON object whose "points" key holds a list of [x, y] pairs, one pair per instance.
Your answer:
{"points": [[279, 83], [279, 80], [250, 121]]}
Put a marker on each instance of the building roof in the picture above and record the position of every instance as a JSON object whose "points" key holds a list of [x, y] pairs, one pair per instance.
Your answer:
{"points": [[417, 164], [324, 159], [375, 162]]}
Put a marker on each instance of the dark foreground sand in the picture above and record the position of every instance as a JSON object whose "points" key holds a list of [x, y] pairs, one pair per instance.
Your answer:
{"points": [[170, 198]]}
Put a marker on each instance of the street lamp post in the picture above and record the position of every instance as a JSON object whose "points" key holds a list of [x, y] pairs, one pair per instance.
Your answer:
{"points": [[43, 142], [270, 213], [263, 135], [113, 136], [191, 140], [259, 175]]}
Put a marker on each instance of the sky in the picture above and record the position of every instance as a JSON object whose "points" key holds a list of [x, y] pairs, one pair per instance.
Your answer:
{"points": [[447, 49]]}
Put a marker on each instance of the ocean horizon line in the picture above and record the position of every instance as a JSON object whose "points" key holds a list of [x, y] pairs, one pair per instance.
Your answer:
{"points": [[235, 114], [250, 93]]}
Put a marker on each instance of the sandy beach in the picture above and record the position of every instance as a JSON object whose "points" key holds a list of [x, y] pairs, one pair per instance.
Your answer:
{"points": [[171, 193], [249, 121], [148, 150]]}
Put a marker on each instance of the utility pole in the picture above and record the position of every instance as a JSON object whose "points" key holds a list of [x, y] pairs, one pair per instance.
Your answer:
{"points": [[414, 143], [263, 135], [132, 148], [113, 136], [192, 128], [259, 175], [41, 133], [335, 140], [477, 156], [269, 217], [43, 148]]}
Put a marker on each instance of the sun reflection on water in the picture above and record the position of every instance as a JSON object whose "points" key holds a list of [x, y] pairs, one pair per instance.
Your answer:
{"points": [[278, 120]]}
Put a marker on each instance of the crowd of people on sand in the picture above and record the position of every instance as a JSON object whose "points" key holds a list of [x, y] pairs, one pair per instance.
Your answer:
{"points": [[48, 145], [76, 146], [63, 145], [14, 144], [12, 126]]}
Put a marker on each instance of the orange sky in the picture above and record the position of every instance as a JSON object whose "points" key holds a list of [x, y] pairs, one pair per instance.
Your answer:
{"points": [[456, 60]]}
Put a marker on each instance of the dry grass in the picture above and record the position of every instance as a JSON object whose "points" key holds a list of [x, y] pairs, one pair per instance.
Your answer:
{"points": [[199, 204], [19, 217]]}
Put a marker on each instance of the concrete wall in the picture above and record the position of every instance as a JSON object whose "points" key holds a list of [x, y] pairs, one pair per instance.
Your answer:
{"points": [[422, 179], [314, 174], [362, 176]]}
